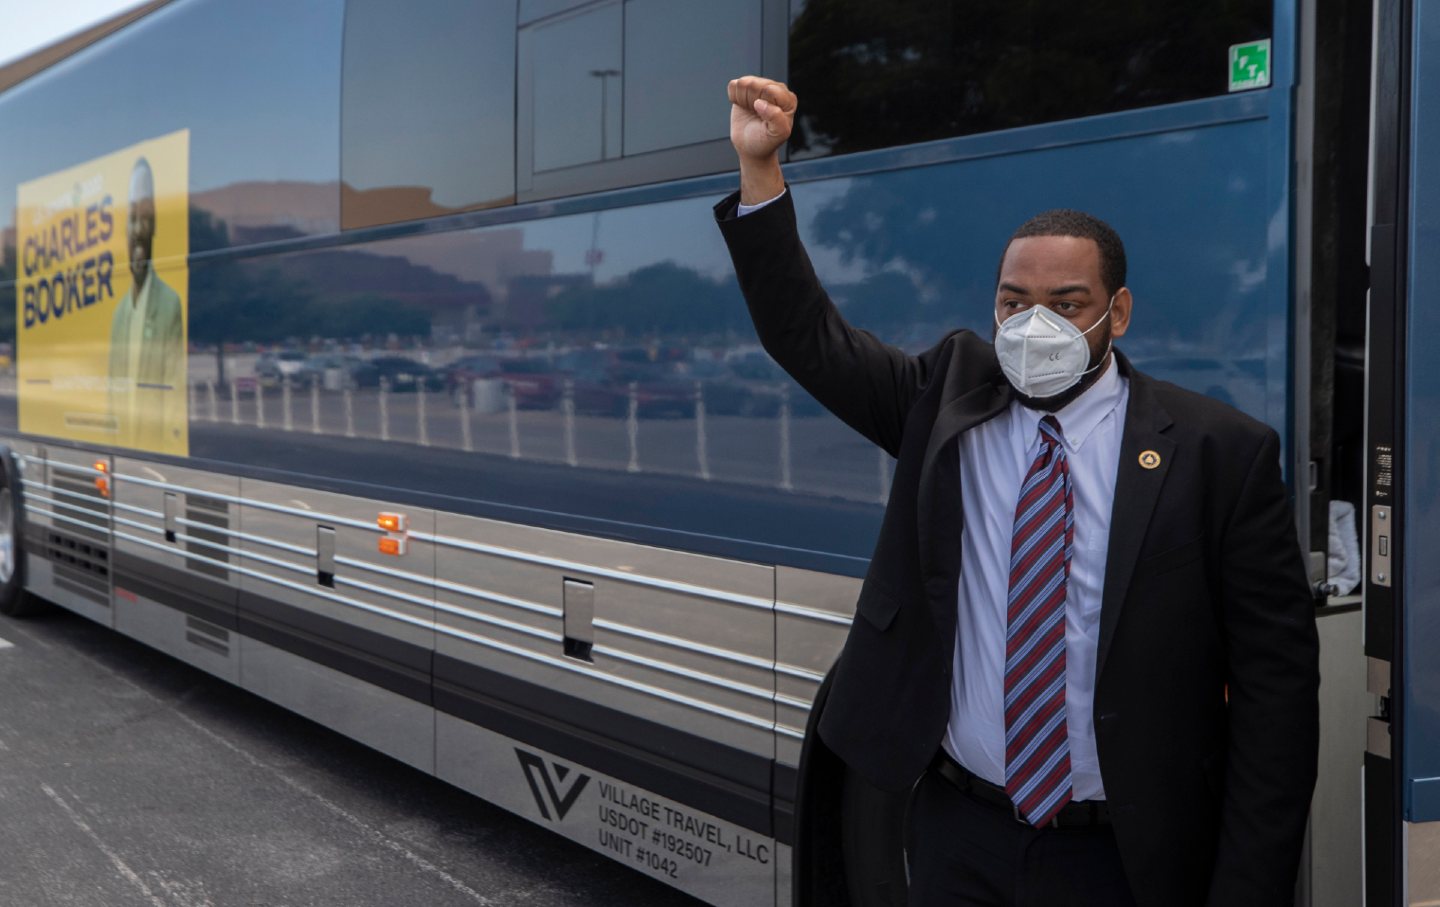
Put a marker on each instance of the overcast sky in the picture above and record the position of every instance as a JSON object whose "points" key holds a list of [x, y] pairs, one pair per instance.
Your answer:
{"points": [[30, 24]]}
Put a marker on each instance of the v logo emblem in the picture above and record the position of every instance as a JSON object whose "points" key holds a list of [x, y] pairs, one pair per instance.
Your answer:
{"points": [[546, 787]]}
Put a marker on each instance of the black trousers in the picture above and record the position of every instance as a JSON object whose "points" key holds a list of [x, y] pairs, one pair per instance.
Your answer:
{"points": [[967, 853]]}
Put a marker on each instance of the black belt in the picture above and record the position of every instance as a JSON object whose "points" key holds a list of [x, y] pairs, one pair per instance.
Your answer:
{"points": [[1072, 814]]}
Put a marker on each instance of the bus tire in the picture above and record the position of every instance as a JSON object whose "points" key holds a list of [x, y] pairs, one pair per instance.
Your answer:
{"points": [[14, 600]]}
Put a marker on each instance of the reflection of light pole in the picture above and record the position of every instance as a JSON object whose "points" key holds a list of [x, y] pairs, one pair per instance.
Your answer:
{"points": [[604, 76]]}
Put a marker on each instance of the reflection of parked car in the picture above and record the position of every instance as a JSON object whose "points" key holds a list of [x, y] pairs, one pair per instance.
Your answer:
{"points": [[333, 371], [270, 368], [728, 395], [760, 373], [460, 373], [402, 374], [659, 391], [534, 382]]}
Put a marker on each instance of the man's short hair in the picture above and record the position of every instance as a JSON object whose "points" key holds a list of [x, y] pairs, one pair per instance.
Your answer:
{"points": [[1068, 222], [142, 180]]}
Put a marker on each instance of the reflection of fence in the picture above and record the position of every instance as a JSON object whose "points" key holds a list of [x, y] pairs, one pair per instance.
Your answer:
{"points": [[764, 442]]}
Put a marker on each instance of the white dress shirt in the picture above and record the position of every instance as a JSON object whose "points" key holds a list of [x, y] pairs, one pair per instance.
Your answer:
{"points": [[994, 458]]}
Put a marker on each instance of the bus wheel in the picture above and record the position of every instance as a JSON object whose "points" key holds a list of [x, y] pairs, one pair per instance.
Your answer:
{"points": [[14, 600]]}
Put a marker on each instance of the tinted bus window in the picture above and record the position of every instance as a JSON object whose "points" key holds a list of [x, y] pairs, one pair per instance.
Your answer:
{"points": [[678, 55], [622, 92], [873, 74], [428, 119], [575, 96]]}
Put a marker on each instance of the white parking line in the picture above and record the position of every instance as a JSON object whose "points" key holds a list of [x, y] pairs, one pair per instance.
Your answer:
{"points": [[6, 644], [120, 866]]}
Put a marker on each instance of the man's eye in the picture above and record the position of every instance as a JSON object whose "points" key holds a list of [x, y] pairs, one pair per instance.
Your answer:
{"points": [[1066, 307]]}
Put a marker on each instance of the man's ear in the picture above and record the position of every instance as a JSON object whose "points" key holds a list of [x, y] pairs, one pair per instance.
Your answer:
{"points": [[1120, 313]]}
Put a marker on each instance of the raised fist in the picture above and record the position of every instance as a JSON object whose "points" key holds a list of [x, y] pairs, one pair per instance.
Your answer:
{"points": [[762, 112]]}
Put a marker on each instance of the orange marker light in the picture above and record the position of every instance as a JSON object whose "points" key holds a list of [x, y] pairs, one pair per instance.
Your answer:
{"points": [[393, 546], [102, 466], [102, 485], [393, 522]]}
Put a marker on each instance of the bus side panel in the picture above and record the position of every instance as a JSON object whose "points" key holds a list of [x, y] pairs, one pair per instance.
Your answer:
{"points": [[349, 646], [66, 537], [716, 860], [175, 554]]}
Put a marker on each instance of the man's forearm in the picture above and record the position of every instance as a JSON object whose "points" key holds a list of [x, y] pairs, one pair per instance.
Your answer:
{"points": [[760, 180]]}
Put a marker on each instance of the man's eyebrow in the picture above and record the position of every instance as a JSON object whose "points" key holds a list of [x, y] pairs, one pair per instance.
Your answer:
{"points": [[1012, 288], [1070, 288]]}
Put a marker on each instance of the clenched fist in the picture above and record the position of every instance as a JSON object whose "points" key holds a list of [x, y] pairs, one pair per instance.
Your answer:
{"points": [[762, 113]]}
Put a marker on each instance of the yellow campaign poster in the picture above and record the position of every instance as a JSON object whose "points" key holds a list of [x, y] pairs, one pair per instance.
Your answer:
{"points": [[101, 299]]}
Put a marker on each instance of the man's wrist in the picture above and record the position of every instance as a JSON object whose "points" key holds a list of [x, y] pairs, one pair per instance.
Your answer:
{"points": [[761, 180]]}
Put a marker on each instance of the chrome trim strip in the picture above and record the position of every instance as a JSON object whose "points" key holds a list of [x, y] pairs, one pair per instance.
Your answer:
{"points": [[51, 489], [319, 592], [65, 519], [789, 732], [497, 598], [685, 644], [247, 537], [392, 572], [811, 614], [792, 702], [539, 632], [800, 673], [744, 689], [382, 590], [143, 511], [316, 515], [749, 601], [57, 464], [593, 673], [99, 515], [136, 524]]}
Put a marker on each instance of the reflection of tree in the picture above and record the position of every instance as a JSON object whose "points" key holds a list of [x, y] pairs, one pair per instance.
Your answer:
{"points": [[663, 298], [872, 75]]}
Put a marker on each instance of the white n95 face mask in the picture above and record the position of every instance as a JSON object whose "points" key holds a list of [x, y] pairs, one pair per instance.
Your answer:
{"points": [[1043, 354]]}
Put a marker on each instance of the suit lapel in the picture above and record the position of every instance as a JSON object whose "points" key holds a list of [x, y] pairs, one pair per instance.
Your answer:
{"points": [[1137, 489], [938, 510]]}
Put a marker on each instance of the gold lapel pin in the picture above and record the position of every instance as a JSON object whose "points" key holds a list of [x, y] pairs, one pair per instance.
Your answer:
{"points": [[1149, 459]]}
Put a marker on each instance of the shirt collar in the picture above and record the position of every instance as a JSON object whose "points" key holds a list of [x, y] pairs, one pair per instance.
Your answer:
{"points": [[142, 293], [1080, 417]]}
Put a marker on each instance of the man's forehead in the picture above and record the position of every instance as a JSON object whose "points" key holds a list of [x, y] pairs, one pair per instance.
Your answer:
{"points": [[1052, 260]]}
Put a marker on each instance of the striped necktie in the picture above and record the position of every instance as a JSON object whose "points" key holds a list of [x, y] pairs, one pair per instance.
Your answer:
{"points": [[1037, 747]]}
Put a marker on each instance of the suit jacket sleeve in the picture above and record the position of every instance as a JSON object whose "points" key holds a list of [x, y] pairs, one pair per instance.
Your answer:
{"points": [[1268, 624], [869, 384]]}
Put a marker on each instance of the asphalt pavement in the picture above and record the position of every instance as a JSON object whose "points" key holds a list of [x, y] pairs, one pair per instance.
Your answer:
{"points": [[130, 778]]}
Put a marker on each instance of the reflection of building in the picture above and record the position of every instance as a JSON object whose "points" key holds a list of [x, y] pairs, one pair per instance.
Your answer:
{"points": [[256, 212], [466, 281]]}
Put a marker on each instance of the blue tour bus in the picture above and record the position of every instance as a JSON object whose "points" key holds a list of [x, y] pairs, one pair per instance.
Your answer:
{"points": [[382, 358]]}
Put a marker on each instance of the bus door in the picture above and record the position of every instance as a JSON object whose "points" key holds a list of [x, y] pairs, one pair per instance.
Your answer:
{"points": [[1401, 776]]}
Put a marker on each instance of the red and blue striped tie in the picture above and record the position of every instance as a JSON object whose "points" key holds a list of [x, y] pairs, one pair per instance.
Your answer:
{"points": [[1037, 746]]}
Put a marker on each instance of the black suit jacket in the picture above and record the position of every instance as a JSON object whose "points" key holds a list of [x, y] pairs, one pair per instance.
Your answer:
{"points": [[1204, 588]]}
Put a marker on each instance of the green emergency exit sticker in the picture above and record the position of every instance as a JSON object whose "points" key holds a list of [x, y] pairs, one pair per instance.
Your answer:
{"points": [[1250, 65]]}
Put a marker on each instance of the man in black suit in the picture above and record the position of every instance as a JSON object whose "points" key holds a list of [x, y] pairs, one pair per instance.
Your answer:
{"points": [[1115, 701]]}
